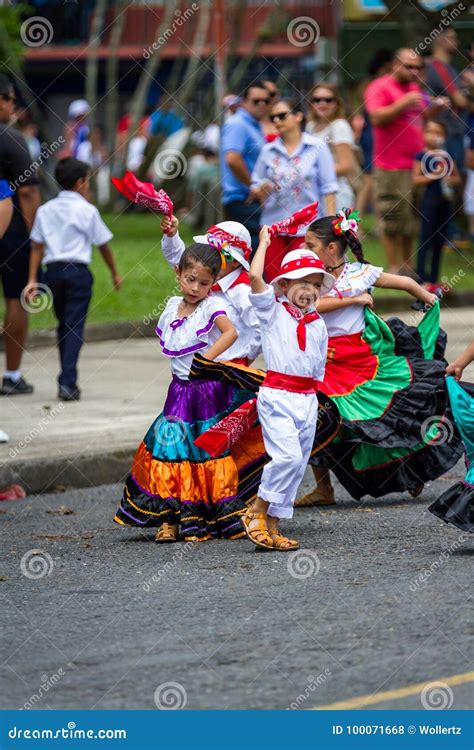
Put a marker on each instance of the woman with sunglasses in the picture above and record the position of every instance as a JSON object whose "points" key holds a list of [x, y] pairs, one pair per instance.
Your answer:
{"points": [[292, 171], [326, 120]]}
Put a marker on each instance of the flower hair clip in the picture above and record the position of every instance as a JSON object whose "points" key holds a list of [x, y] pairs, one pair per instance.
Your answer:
{"points": [[347, 221]]}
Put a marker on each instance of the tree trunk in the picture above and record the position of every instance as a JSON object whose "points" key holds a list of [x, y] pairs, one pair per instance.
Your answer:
{"points": [[111, 72], [92, 62], [202, 28], [149, 70]]}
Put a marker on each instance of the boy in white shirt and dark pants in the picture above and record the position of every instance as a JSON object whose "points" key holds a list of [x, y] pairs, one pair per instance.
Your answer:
{"points": [[294, 343], [64, 230]]}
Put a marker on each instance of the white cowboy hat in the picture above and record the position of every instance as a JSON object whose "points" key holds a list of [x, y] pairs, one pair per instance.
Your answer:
{"points": [[237, 230], [300, 263]]}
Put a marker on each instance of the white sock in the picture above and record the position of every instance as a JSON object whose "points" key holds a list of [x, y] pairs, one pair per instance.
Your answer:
{"points": [[14, 375], [4, 437]]}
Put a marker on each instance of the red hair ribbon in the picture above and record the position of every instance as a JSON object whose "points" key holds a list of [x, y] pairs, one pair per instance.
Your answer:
{"points": [[219, 238], [144, 193], [299, 219]]}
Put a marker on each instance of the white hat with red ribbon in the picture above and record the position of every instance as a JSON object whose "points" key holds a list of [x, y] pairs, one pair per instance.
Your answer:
{"points": [[297, 264]]}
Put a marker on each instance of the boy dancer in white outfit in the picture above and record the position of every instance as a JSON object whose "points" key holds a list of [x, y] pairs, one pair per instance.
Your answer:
{"points": [[294, 343]]}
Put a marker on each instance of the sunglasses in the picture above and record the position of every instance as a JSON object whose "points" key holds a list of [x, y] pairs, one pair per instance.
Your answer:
{"points": [[408, 66], [260, 101], [280, 116], [326, 99], [9, 97]]}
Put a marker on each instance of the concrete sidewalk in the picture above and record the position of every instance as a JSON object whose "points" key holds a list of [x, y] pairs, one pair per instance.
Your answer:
{"points": [[124, 383]]}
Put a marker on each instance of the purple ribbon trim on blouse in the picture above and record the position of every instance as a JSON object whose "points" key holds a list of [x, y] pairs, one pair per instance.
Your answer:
{"points": [[211, 322], [177, 323]]}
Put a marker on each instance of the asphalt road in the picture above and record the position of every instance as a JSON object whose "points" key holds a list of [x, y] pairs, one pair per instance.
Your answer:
{"points": [[377, 599]]}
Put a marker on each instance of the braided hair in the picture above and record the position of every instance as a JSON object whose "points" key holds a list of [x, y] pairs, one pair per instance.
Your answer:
{"points": [[328, 230]]}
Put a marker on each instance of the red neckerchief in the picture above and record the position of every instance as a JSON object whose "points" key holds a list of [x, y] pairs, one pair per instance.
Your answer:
{"points": [[242, 278], [303, 321]]}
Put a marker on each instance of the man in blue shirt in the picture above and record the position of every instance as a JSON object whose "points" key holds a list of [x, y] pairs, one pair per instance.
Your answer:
{"points": [[242, 141]]}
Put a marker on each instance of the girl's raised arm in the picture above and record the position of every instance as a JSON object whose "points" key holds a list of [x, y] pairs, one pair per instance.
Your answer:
{"points": [[391, 281], [257, 265]]}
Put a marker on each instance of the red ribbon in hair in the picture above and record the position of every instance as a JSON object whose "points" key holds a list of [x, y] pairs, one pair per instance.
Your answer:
{"points": [[144, 193], [299, 219], [219, 238]]}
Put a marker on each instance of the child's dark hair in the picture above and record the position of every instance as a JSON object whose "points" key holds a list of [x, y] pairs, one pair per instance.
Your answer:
{"points": [[69, 171], [440, 124], [324, 231], [208, 256]]}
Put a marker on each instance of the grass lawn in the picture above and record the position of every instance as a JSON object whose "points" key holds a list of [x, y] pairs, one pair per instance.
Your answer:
{"points": [[148, 280]]}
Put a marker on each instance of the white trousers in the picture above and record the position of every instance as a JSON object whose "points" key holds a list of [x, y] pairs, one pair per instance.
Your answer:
{"points": [[288, 425]]}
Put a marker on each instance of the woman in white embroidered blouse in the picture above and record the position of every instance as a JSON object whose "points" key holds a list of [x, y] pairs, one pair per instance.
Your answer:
{"points": [[326, 120]]}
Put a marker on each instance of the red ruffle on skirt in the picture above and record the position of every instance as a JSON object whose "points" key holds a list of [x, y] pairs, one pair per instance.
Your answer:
{"points": [[350, 363]]}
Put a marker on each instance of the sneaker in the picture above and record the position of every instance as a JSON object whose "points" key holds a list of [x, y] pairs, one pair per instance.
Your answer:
{"points": [[68, 393], [15, 387], [4, 437]]}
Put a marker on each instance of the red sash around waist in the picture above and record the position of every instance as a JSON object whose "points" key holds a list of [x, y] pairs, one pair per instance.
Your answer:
{"points": [[292, 383]]}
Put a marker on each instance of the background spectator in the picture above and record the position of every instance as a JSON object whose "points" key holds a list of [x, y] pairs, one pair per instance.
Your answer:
{"points": [[436, 183], [77, 128], [442, 79], [269, 130], [326, 120], [380, 65], [292, 171], [15, 165], [242, 141], [395, 104]]}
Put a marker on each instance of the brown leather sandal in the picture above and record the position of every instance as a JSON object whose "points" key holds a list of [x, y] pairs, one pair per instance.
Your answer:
{"points": [[316, 498], [258, 533], [166, 533], [281, 543]]}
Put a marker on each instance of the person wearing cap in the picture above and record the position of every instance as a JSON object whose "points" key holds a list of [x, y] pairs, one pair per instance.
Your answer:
{"points": [[232, 284], [77, 128], [294, 343], [16, 169]]}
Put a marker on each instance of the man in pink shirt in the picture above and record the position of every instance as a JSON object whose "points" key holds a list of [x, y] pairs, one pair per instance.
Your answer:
{"points": [[395, 103]]}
